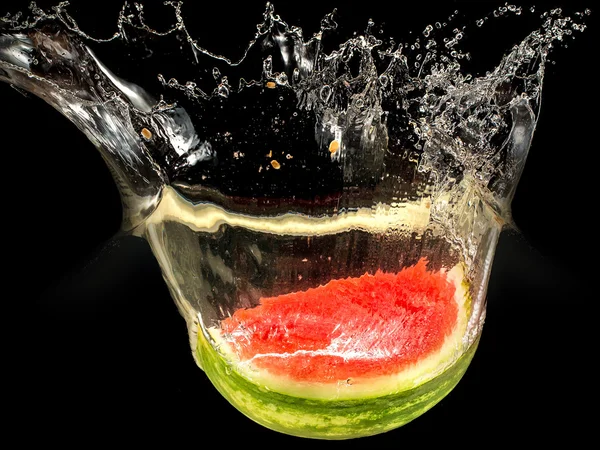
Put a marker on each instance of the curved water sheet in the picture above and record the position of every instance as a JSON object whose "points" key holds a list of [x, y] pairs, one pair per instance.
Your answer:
{"points": [[298, 163]]}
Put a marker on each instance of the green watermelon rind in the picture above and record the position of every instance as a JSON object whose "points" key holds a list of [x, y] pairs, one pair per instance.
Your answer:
{"points": [[327, 419], [334, 417]]}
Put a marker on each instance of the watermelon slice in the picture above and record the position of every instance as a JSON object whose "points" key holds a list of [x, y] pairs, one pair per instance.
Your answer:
{"points": [[354, 357]]}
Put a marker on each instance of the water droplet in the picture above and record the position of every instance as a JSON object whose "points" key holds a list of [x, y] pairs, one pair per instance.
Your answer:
{"points": [[325, 93], [370, 25], [451, 43], [296, 74], [438, 25], [268, 67], [428, 29], [281, 78], [223, 91], [479, 22]]}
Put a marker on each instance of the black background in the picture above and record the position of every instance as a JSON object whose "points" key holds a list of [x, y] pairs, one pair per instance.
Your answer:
{"points": [[94, 346]]}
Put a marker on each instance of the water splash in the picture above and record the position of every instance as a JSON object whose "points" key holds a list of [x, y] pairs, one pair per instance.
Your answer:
{"points": [[295, 134], [359, 117]]}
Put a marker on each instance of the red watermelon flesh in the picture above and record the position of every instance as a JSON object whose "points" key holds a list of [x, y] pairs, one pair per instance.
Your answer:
{"points": [[368, 326]]}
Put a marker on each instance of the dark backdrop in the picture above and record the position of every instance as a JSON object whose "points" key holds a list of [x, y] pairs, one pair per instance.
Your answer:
{"points": [[93, 343]]}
